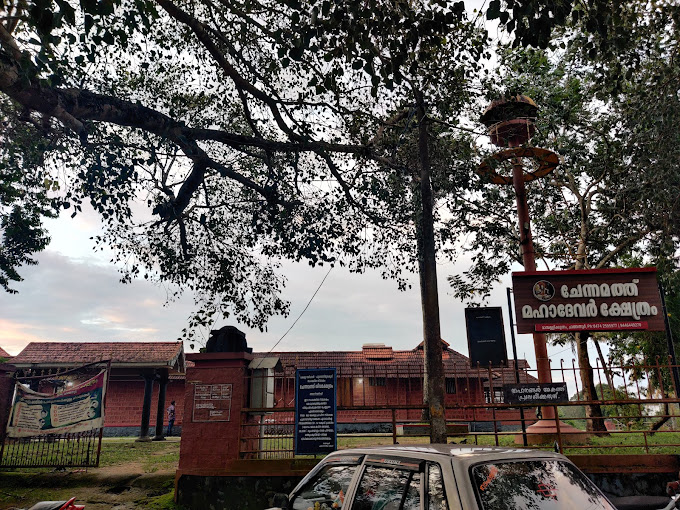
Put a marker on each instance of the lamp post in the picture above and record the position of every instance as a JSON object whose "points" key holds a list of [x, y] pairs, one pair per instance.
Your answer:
{"points": [[511, 125]]}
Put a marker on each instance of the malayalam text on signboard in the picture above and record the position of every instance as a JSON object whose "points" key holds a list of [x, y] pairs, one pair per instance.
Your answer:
{"points": [[78, 409], [589, 300], [212, 402], [536, 393], [315, 411]]}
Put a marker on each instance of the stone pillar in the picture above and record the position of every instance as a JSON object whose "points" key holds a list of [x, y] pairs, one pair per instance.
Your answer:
{"points": [[146, 406], [215, 393], [160, 412]]}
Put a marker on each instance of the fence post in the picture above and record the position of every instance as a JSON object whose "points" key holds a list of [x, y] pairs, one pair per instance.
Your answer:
{"points": [[559, 432]]}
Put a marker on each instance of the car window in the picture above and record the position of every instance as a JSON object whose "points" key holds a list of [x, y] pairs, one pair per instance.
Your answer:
{"points": [[385, 488], [532, 485], [436, 496], [326, 490]]}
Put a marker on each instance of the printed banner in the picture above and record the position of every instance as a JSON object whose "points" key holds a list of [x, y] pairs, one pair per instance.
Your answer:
{"points": [[76, 409]]}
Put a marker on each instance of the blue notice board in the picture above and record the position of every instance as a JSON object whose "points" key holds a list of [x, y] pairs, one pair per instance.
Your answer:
{"points": [[316, 421]]}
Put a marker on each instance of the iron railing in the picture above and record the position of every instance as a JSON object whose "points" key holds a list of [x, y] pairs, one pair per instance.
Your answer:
{"points": [[382, 404]]}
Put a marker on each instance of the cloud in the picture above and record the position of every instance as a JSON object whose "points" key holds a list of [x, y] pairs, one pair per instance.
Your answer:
{"points": [[77, 298], [63, 299]]}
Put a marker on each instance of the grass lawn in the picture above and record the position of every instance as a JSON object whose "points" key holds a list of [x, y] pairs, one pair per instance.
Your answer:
{"points": [[137, 474]]}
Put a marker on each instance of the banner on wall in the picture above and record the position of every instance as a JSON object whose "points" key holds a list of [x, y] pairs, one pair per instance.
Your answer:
{"points": [[77, 409]]}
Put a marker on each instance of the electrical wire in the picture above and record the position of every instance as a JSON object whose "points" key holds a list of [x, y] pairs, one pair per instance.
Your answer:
{"points": [[303, 311]]}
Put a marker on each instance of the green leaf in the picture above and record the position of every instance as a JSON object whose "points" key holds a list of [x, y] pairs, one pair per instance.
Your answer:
{"points": [[494, 10]]}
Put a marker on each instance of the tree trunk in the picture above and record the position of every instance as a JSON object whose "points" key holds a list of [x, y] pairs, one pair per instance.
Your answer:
{"points": [[607, 372], [433, 377], [594, 419]]}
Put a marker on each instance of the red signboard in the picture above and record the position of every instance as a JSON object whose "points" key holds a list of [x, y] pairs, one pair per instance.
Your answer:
{"points": [[589, 300]]}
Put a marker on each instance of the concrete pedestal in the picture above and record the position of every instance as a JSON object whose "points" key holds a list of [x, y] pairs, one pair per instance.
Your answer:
{"points": [[545, 432]]}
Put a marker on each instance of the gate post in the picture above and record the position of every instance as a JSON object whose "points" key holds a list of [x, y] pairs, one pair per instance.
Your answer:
{"points": [[215, 393], [6, 391]]}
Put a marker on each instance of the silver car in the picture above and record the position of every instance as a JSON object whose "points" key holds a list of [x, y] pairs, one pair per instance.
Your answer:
{"points": [[445, 477]]}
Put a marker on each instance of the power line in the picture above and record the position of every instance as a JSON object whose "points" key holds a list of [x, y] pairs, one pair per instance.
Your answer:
{"points": [[303, 311]]}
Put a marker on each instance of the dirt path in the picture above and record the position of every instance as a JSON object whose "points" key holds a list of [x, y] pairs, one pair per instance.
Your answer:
{"points": [[132, 485]]}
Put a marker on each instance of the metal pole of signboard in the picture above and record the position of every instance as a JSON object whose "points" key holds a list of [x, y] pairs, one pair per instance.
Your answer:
{"points": [[514, 355], [669, 340]]}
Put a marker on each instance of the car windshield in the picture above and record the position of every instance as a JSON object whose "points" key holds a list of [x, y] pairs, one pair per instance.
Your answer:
{"points": [[535, 485]]}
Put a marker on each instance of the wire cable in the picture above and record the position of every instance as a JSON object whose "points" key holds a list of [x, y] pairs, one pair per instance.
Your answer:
{"points": [[303, 311]]}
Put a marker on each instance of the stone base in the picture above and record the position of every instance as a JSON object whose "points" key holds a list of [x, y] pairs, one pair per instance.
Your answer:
{"points": [[545, 432]]}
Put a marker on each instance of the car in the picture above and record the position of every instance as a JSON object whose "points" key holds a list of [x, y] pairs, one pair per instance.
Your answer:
{"points": [[445, 477]]}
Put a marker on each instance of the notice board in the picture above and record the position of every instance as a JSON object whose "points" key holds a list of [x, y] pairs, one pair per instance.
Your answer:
{"points": [[486, 337], [315, 411], [536, 393], [212, 402]]}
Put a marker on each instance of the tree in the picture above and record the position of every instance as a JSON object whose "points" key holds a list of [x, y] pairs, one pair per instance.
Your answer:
{"points": [[254, 131], [610, 199], [23, 195]]}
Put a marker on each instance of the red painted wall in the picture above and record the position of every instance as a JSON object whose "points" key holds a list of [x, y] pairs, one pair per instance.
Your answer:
{"points": [[124, 402]]}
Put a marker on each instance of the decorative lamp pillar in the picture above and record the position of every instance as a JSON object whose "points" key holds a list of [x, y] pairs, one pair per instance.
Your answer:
{"points": [[511, 124]]}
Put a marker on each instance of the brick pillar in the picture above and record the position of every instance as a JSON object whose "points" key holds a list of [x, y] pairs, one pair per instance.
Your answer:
{"points": [[215, 393]]}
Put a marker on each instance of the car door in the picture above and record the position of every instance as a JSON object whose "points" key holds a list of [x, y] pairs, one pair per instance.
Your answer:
{"points": [[399, 483]]}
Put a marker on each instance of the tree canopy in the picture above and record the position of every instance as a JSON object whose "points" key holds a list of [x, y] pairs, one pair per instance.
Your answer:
{"points": [[217, 138], [251, 131]]}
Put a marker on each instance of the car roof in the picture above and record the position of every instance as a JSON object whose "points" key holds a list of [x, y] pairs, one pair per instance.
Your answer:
{"points": [[458, 453]]}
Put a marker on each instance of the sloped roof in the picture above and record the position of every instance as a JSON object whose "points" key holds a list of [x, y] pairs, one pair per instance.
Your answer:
{"points": [[388, 363], [138, 354], [4, 353]]}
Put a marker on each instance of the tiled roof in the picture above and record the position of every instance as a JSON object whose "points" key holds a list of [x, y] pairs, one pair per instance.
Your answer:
{"points": [[4, 353], [151, 354], [374, 361]]}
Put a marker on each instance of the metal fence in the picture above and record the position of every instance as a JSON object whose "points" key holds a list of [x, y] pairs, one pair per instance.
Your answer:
{"points": [[66, 450], [631, 406], [56, 450]]}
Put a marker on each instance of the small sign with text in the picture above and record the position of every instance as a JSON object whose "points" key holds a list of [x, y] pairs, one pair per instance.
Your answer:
{"points": [[536, 393]]}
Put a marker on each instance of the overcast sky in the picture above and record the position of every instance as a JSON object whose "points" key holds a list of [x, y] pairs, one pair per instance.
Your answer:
{"points": [[74, 295]]}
